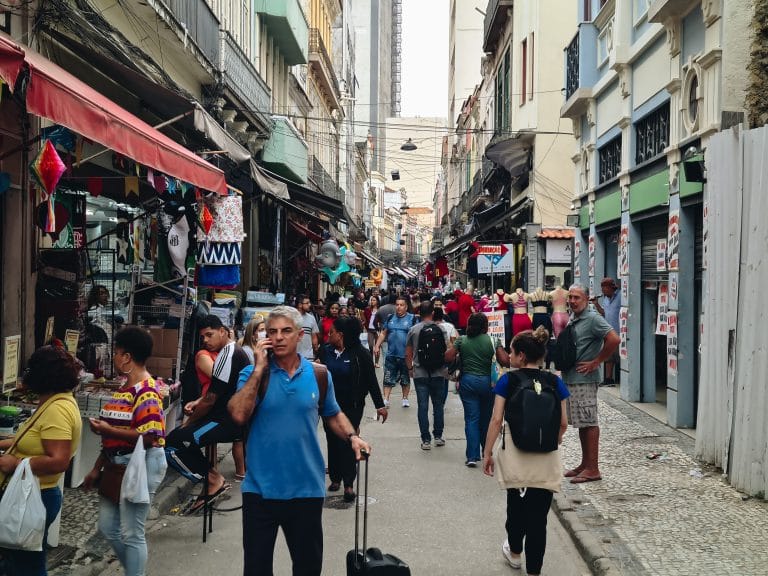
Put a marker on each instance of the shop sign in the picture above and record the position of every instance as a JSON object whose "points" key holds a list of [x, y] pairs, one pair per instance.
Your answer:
{"points": [[48, 331], [623, 331], [672, 343], [496, 324], [11, 363], [258, 297], [705, 239], [673, 246], [591, 271], [576, 254], [503, 260], [559, 251], [370, 284], [661, 255], [662, 319]]}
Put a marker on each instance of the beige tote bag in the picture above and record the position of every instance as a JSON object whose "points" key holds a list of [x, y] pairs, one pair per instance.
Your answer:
{"points": [[517, 469]]}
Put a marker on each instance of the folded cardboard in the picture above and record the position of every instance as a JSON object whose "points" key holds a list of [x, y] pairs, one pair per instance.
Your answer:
{"points": [[165, 342]]}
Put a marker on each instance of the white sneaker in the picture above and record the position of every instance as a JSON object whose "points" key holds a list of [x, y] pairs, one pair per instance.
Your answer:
{"points": [[406, 404], [516, 563], [426, 446], [439, 442], [386, 403]]}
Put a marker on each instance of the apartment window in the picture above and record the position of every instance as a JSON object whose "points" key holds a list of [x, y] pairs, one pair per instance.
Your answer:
{"points": [[605, 43], [652, 134], [609, 158], [587, 10], [503, 100], [533, 68], [523, 71], [640, 10]]}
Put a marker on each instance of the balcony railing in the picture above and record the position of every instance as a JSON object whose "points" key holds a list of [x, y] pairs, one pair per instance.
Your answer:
{"points": [[609, 160], [324, 181], [652, 135], [242, 78], [321, 60], [572, 67], [200, 23]]}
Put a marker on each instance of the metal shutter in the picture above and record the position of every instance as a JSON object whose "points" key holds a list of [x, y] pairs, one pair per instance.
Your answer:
{"points": [[652, 231]]}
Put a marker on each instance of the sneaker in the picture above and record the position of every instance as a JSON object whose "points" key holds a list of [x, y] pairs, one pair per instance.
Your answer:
{"points": [[386, 403], [426, 446], [516, 563], [439, 442], [471, 463], [406, 404]]}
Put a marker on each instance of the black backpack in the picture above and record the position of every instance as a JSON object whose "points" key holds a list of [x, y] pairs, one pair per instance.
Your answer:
{"points": [[431, 349], [564, 353], [533, 411]]}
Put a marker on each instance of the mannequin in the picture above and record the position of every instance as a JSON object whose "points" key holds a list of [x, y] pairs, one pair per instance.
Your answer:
{"points": [[539, 301], [500, 299], [520, 319], [560, 316]]}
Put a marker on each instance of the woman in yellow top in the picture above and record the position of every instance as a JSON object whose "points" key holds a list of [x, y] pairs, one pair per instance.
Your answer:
{"points": [[134, 410], [49, 439]]}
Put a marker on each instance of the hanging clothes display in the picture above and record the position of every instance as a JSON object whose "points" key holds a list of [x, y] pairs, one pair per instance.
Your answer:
{"points": [[219, 237]]}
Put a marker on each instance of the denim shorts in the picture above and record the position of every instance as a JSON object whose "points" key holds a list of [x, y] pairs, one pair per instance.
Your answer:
{"points": [[395, 372]]}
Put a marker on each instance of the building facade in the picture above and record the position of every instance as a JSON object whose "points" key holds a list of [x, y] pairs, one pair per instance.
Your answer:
{"points": [[647, 86]]}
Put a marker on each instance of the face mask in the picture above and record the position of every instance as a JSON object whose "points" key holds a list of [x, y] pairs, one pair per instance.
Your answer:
{"points": [[261, 335]]}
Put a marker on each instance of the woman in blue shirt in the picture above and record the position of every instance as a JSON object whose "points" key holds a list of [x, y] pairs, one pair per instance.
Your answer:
{"points": [[527, 508], [354, 377]]}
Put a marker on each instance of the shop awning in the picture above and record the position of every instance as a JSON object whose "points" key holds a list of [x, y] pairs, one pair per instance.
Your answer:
{"points": [[11, 60], [512, 152], [306, 232], [371, 258], [57, 95], [301, 194]]}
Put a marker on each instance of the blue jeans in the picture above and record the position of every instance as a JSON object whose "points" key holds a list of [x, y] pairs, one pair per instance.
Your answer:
{"points": [[436, 389], [477, 397], [123, 526], [29, 563]]}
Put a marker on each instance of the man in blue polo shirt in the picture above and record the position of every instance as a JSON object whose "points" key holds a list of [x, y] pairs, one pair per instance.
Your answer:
{"points": [[284, 484], [395, 331], [609, 306]]}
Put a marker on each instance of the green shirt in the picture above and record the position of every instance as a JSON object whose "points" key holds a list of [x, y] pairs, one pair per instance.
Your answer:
{"points": [[590, 330], [476, 354]]}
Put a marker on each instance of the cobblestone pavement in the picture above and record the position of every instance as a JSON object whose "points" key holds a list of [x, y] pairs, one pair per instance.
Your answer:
{"points": [[657, 510]]}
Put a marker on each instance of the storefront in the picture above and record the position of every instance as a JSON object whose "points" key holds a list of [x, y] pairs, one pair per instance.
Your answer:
{"points": [[114, 220]]}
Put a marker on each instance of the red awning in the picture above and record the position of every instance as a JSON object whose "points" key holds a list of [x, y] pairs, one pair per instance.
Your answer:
{"points": [[56, 94], [11, 60]]}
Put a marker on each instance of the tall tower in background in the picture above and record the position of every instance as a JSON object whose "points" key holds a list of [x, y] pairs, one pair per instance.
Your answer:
{"points": [[376, 45], [396, 59], [465, 50]]}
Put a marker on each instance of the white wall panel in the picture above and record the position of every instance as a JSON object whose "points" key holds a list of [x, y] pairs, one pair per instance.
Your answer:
{"points": [[608, 109]]}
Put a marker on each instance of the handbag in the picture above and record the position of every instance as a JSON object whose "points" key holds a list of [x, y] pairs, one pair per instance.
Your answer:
{"points": [[134, 487], [22, 511], [111, 481], [514, 468]]}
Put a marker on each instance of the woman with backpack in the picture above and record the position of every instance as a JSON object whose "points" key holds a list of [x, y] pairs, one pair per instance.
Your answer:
{"points": [[476, 351], [354, 377], [528, 503]]}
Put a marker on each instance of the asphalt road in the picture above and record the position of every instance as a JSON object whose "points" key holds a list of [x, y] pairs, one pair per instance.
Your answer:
{"points": [[425, 507]]}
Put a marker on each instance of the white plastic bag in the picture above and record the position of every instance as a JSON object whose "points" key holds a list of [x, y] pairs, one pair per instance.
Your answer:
{"points": [[135, 487], [22, 511]]}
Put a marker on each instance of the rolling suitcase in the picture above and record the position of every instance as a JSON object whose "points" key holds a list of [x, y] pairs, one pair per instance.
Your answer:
{"points": [[370, 561]]}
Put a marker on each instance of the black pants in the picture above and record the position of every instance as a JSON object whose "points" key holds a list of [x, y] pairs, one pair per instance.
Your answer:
{"points": [[527, 518], [301, 521], [183, 445], [342, 464]]}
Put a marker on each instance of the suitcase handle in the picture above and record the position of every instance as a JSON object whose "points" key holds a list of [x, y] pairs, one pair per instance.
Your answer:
{"points": [[365, 456]]}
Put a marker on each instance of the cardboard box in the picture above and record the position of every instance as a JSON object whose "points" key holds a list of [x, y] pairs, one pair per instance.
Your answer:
{"points": [[161, 367], [165, 342]]}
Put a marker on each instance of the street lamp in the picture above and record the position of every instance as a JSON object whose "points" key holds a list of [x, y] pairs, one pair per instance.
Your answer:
{"points": [[408, 145]]}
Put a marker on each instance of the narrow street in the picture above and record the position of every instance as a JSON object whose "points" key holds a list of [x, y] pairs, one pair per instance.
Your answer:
{"points": [[426, 507]]}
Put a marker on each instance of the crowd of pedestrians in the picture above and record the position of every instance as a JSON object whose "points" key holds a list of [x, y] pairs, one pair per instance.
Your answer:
{"points": [[292, 369]]}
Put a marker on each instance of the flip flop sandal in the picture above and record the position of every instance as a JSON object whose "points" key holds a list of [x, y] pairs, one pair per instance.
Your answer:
{"points": [[198, 504], [239, 477], [572, 473], [583, 479]]}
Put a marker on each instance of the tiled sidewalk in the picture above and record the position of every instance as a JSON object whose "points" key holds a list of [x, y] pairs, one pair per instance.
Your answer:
{"points": [[657, 510]]}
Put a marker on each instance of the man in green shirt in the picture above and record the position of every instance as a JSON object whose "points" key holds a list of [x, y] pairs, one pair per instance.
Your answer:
{"points": [[596, 341]]}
